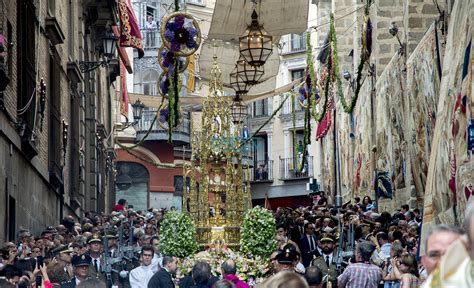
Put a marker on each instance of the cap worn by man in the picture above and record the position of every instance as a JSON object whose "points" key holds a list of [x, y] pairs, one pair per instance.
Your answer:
{"points": [[62, 249], [286, 256], [81, 260], [326, 237], [94, 239]]}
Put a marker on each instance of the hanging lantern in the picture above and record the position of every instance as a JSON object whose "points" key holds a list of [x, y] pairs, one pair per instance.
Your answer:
{"points": [[239, 110], [239, 86], [255, 46], [249, 74]]}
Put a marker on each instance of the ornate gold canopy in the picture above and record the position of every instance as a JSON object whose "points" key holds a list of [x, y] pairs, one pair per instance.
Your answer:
{"points": [[218, 195]]}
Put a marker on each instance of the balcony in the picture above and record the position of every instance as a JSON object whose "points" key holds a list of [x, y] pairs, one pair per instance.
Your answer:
{"points": [[181, 134], [262, 171], [151, 38], [289, 168], [296, 44]]}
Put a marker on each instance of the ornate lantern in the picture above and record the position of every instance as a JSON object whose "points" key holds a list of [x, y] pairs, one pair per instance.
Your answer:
{"points": [[238, 84], [255, 46], [137, 110], [249, 74], [239, 110]]}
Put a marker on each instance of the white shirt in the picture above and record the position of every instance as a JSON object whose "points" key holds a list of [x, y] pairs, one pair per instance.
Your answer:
{"points": [[156, 262], [140, 276], [326, 255], [98, 263]]}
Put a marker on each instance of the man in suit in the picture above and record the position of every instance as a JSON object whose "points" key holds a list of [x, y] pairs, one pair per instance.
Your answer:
{"points": [[81, 270], [298, 230], [162, 278], [308, 244]]}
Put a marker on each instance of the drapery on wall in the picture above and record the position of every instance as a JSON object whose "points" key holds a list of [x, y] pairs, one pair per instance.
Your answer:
{"points": [[450, 168]]}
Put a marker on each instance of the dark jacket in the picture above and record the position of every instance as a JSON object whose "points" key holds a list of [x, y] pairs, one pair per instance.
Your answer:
{"points": [[187, 282], [307, 254], [69, 284], [161, 279]]}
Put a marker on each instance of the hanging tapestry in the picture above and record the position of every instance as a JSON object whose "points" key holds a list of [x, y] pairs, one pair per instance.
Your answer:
{"points": [[450, 168], [423, 81], [391, 139]]}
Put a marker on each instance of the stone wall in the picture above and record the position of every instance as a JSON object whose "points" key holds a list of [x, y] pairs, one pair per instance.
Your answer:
{"points": [[27, 183]]}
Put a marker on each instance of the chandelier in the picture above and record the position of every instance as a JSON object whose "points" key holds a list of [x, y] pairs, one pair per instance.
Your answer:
{"points": [[255, 46]]}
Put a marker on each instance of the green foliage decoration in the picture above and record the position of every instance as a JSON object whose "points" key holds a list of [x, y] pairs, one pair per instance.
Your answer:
{"points": [[178, 235], [258, 233]]}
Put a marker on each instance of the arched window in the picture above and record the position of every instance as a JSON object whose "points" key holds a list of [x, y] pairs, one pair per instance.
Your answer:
{"points": [[132, 184], [149, 82]]}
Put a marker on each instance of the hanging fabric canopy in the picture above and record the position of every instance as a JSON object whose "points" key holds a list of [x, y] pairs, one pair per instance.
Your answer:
{"points": [[229, 22], [194, 102], [279, 17], [228, 54]]}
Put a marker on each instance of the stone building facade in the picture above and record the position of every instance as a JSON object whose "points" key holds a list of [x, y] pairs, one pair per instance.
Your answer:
{"points": [[55, 121]]}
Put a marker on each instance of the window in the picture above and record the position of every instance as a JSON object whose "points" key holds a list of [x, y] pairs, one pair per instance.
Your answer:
{"points": [[51, 7], [55, 122], [260, 108], [298, 42], [71, 27], [197, 2], [26, 64], [149, 83], [297, 74]]}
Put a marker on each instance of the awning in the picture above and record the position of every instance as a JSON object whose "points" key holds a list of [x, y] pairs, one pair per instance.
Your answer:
{"points": [[227, 56], [191, 102], [279, 17], [230, 20]]}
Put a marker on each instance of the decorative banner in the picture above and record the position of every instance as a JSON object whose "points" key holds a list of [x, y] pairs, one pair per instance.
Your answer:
{"points": [[450, 165], [131, 35], [123, 91]]}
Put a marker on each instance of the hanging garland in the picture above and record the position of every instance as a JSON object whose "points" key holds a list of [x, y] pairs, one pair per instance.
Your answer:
{"points": [[365, 56], [181, 37], [313, 100]]}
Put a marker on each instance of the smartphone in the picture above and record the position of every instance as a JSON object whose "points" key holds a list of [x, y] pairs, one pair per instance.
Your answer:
{"points": [[39, 281], [39, 261]]}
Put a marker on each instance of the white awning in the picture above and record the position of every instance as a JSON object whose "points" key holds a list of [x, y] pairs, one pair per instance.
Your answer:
{"points": [[227, 56], [230, 20], [279, 17]]}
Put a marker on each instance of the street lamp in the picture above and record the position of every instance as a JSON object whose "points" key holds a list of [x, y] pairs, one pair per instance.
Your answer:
{"points": [[109, 43], [137, 110], [138, 107]]}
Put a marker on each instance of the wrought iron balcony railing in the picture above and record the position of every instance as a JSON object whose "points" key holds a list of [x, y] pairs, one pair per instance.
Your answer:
{"points": [[296, 168], [181, 134], [262, 171], [151, 37]]}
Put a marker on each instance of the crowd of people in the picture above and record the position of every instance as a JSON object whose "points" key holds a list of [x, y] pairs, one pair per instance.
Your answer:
{"points": [[318, 246]]}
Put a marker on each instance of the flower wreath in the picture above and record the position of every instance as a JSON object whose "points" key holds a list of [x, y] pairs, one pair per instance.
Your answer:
{"points": [[180, 33], [167, 60]]}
